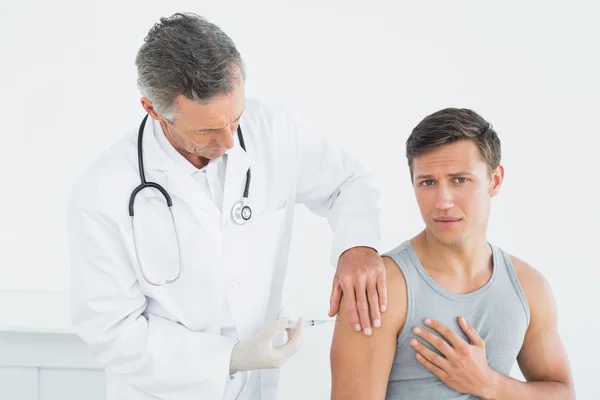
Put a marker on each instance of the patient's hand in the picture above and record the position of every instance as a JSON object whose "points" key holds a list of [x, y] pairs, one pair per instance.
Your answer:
{"points": [[360, 276], [464, 366]]}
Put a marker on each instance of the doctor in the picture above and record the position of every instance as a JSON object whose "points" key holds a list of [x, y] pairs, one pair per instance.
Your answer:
{"points": [[179, 233]]}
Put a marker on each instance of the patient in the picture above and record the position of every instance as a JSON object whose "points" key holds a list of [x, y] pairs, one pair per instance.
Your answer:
{"points": [[448, 272]]}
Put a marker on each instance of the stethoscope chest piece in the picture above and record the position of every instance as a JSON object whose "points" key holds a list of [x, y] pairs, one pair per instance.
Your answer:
{"points": [[241, 213]]}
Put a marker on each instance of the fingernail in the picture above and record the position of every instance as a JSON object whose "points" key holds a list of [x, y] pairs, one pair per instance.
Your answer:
{"points": [[368, 331], [414, 342], [417, 330], [427, 321], [377, 323], [357, 327], [383, 308]]}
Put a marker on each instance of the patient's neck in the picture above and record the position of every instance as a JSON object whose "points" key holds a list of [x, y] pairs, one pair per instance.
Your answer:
{"points": [[469, 259]]}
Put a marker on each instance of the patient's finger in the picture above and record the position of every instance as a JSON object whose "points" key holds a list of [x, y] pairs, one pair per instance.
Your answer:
{"points": [[434, 369], [429, 355], [435, 341], [456, 341]]}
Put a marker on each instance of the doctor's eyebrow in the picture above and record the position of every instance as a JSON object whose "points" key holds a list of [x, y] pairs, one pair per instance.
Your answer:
{"points": [[216, 129]]}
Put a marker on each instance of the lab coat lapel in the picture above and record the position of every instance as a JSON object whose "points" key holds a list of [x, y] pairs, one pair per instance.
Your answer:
{"points": [[238, 162], [161, 168]]}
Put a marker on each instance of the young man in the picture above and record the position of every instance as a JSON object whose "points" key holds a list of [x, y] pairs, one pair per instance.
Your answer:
{"points": [[460, 309]]}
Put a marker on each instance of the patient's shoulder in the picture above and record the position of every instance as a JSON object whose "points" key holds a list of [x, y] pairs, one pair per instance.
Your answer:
{"points": [[525, 272], [533, 283], [530, 279]]}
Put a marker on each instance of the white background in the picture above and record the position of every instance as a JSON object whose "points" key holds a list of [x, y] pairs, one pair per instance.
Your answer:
{"points": [[363, 75]]}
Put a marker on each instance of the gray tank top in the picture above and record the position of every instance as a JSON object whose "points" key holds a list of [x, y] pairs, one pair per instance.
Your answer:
{"points": [[498, 311]]}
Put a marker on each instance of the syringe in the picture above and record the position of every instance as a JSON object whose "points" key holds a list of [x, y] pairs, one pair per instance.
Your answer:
{"points": [[291, 324]]}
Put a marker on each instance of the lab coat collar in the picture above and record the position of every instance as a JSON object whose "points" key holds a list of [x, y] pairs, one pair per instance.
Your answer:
{"points": [[176, 156], [179, 180]]}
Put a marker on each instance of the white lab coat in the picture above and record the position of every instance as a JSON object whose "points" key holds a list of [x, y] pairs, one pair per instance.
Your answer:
{"points": [[166, 342]]}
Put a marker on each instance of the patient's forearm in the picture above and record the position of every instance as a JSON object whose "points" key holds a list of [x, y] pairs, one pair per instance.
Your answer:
{"points": [[507, 388]]}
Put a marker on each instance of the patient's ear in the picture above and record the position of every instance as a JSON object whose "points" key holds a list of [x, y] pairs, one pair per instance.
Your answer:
{"points": [[497, 180]]}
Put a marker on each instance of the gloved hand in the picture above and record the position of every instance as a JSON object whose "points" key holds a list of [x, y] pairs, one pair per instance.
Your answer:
{"points": [[259, 352]]}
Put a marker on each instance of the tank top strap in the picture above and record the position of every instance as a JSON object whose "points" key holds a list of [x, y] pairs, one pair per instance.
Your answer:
{"points": [[402, 257], [505, 264]]}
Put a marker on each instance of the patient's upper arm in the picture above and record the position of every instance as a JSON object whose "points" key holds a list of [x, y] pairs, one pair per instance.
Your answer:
{"points": [[360, 364], [543, 356]]}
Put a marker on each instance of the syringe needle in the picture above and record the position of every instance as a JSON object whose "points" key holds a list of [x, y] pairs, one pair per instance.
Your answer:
{"points": [[291, 324]]}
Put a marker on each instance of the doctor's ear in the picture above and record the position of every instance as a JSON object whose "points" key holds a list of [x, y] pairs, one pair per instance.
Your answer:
{"points": [[147, 104]]}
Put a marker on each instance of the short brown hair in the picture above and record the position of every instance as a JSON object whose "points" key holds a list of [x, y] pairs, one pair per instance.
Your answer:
{"points": [[450, 125]]}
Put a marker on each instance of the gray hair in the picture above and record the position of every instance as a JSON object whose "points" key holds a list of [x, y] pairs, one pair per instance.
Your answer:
{"points": [[186, 55]]}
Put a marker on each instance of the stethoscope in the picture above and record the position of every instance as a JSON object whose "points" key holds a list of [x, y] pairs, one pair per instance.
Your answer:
{"points": [[240, 212]]}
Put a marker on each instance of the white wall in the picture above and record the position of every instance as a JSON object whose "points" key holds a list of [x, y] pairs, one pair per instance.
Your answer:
{"points": [[364, 75]]}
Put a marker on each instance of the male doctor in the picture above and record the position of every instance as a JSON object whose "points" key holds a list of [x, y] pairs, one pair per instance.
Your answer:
{"points": [[184, 302]]}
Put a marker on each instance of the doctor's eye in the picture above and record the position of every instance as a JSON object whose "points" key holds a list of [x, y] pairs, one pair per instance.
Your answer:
{"points": [[428, 182], [461, 180]]}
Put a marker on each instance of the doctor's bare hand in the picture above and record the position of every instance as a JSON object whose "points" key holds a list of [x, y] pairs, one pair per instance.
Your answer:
{"points": [[260, 351], [360, 277]]}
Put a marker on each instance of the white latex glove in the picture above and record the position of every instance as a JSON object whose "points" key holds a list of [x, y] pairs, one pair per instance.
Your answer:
{"points": [[260, 352]]}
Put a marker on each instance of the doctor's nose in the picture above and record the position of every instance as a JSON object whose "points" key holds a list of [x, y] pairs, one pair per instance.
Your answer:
{"points": [[227, 139]]}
